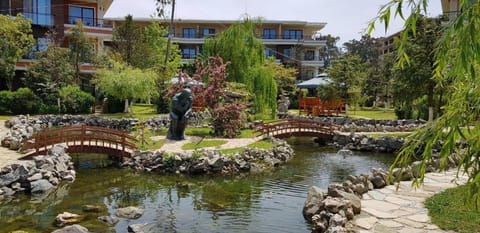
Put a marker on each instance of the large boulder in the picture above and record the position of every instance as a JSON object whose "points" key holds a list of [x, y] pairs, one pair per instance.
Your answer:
{"points": [[313, 204], [40, 186], [72, 229], [130, 212], [142, 228]]}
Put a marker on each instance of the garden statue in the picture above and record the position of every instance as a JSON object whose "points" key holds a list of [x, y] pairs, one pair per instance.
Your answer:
{"points": [[283, 104], [181, 108]]}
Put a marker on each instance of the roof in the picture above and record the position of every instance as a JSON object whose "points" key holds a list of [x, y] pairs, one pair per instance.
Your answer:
{"points": [[320, 80]]}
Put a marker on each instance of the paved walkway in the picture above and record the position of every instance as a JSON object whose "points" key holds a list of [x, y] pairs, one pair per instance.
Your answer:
{"points": [[389, 210], [7, 156], [176, 146]]}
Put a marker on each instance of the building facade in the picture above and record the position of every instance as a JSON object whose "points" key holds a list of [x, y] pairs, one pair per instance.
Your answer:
{"points": [[294, 43], [61, 15]]}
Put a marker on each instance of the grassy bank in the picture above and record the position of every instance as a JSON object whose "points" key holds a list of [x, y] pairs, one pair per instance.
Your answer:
{"points": [[450, 210]]}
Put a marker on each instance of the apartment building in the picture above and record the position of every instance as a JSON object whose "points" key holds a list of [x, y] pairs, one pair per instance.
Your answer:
{"points": [[450, 8], [296, 43], [61, 15]]}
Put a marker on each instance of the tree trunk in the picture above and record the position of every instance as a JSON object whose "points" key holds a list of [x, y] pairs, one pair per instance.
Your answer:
{"points": [[430, 102], [125, 110]]}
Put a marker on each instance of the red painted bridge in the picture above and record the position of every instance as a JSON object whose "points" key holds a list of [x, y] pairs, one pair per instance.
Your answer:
{"points": [[81, 139], [297, 127]]}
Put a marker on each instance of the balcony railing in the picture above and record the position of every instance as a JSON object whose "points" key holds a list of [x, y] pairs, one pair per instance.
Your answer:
{"points": [[265, 37], [89, 22]]}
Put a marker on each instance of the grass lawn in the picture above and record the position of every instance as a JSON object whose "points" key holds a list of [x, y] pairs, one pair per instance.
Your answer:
{"points": [[389, 134], [450, 211], [140, 111], [377, 114], [4, 117], [148, 143], [203, 144]]}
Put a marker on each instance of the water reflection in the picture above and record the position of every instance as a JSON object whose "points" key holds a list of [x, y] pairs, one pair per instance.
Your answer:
{"points": [[269, 202]]}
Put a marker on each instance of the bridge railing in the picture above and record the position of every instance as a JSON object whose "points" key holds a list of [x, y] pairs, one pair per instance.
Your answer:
{"points": [[296, 126], [82, 136]]}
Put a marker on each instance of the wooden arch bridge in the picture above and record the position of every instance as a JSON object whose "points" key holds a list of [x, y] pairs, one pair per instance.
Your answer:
{"points": [[81, 139], [298, 127]]}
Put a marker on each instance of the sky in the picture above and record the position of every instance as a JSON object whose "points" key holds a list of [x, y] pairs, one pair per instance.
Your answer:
{"points": [[345, 18]]}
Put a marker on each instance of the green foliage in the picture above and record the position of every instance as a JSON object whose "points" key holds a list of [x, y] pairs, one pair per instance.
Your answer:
{"points": [[203, 144], [450, 210], [52, 70], [125, 82], [74, 100], [457, 60], [6, 100], [128, 40], [245, 52], [16, 41], [80, 48], [347, 73], [414, 80], [25, 102], [377, 114]]}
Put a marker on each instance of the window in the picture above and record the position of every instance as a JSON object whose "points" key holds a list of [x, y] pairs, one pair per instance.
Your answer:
{"points": [[188, 33], [309, 55], [293, 34], [288, 53], [41, 45], [269, 33], [84, 14], [188, 53], [270, 52], [39, 11], [208, 31]]}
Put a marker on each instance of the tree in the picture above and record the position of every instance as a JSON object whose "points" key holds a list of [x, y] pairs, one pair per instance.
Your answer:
{"points": [[80, 48], [16, 40], [368, 49], [414, 80], [52, 70], [285, 77], [457, 59], [128, 40], [331, 52], [126, 83], [245, 52], [347, 73]]}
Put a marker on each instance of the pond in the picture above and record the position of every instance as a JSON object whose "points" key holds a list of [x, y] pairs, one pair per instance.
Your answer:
{"points": [[267, 202]]}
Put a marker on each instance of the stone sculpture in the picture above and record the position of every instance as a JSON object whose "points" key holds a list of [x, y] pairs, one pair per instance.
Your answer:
{"points": [[181, 109]]}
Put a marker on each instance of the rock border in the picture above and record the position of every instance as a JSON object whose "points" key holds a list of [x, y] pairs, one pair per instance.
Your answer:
{"points": [[332, 210], [211, 161]]}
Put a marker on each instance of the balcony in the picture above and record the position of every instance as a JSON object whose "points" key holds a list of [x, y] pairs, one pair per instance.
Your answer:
{"points": [[93, 27], [315, 62], [306, 40]]}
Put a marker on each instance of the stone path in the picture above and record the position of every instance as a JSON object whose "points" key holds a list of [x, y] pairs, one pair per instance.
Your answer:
{"points": [[389, 210], [7, 156], [176, 146]]}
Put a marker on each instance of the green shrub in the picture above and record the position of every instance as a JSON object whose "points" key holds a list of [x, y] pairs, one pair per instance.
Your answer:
{"points": [[6, 99], [25, 102], [48, 109], [115, 105], [74, 100]]}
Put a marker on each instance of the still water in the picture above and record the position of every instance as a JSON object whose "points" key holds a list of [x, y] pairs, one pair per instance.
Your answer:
{"points": [[267, 202]]}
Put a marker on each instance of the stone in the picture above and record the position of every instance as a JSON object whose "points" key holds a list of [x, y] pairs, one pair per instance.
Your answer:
{"points": [[72, 229], [34, 177], [66, 218], [40, 186], [337, 220], [336, 229], [378, 182], [313, 203], [334, 205], [130, 212], [366, 223], [109, 220], [93, 208], [354, 200], [142, 228]]}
